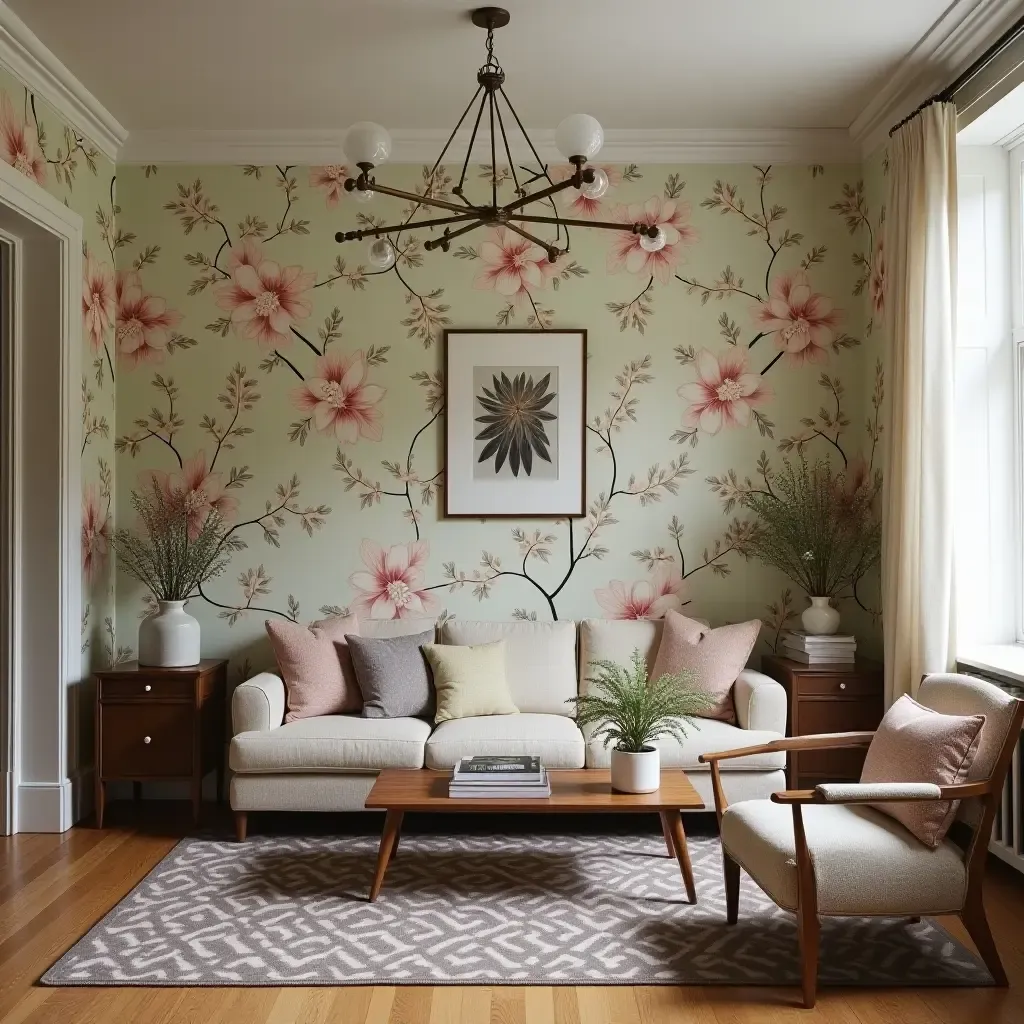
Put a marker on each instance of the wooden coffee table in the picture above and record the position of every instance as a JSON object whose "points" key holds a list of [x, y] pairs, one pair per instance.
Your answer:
{"points": [[573, 791]]}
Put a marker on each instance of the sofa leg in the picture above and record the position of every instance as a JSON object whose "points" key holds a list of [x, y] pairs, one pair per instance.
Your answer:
{"points": [[241, 821], [732, 888]]}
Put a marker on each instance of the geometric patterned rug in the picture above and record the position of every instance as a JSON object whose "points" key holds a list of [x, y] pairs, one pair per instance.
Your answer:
{"points": [[513, 909]]}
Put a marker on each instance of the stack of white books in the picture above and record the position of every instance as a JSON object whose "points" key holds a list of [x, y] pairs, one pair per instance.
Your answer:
{"points": [[486, 777], [819, 650]]}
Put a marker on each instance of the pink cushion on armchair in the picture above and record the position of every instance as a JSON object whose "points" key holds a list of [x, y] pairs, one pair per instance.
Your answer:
{"points": [[316, 666], [714, 656]]}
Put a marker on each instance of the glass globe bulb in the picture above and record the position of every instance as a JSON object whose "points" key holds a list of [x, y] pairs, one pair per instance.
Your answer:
{"points": [[381, 253], [363, 195], [367, 143], [596, 188], [579, 135], [655, 244]]}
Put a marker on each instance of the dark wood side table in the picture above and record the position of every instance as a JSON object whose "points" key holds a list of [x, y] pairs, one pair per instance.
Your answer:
{"points": [[160, 724], [827, 698]]}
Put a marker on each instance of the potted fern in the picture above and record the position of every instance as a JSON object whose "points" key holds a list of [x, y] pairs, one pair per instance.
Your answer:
{"points": [[175, 552], [632, 713]]}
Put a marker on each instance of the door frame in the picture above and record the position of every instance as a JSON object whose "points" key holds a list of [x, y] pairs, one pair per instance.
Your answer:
{"points": [[40, 714]]}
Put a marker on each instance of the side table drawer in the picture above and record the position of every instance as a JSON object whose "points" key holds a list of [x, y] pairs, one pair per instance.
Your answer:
{"points": [[146, 689], [838, 684], [141, 740]]}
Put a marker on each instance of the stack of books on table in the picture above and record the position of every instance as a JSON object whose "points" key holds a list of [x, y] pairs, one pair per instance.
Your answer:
{"points": [[514, 778], [819, 650]]}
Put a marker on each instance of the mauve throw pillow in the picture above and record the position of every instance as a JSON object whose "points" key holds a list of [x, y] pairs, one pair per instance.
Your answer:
{"points": [[714, 656], [393, 675], [315, 665], [915, 744]]}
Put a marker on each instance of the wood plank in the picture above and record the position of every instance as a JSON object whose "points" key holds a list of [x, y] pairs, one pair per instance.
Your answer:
{"points": [[539, 1003], [446, 1005], [663, 1004], [476, 1005], [411, 1005], [508, 1005], [613, 1004], [379, 1010], [567, 1005]]}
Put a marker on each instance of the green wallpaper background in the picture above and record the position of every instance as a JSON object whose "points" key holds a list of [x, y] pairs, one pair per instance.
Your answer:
{"points": [[264, 369]]}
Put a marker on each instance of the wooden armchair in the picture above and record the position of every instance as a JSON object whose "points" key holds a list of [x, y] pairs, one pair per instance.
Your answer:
{"points": [[825, 852]]}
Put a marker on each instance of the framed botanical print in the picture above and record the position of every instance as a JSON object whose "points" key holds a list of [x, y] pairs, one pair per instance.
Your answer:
{"points": [[515, 423]]}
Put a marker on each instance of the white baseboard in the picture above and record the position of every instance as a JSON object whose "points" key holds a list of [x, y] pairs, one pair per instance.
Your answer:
{"points": [[7, 798], [44, 806]]}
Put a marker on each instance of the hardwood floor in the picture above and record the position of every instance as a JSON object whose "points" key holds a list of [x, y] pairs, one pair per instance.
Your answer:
{"points": [[53, 888]]}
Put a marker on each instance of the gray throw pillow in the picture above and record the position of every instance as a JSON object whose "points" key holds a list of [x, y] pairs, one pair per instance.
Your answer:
{"points": [[393, 675]]}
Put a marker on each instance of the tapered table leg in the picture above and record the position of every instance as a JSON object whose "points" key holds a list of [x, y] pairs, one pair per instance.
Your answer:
{"points": [[667, 833], [675, 826], [388, 842]]}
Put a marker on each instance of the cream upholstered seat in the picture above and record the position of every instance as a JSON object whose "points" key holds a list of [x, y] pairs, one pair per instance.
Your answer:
{"points": [[555, 738], [848, 845], [825, 851]]}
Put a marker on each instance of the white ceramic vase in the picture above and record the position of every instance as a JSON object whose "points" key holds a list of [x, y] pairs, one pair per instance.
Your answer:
{"points": [[169, 637], [821, 619], [636, 773]]}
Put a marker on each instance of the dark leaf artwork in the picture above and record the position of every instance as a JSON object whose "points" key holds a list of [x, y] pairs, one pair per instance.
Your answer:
{"points": [[515, 411]]}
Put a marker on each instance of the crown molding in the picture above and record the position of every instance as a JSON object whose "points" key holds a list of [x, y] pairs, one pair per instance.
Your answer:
{"points": [[418, 146], [28, 59], [960, 34]]}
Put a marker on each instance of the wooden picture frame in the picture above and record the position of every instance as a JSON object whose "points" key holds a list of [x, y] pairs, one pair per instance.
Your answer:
{"points": [[532, 462]]}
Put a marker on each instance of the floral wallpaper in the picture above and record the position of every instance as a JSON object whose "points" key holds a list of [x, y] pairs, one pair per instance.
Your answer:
{"points": [[38, 142], [273, 374]]}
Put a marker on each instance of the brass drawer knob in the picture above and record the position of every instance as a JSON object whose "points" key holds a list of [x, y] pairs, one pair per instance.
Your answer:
{"points": [[147, 739], [148, 687]]}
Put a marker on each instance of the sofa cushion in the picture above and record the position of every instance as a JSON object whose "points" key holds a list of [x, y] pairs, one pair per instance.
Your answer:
{"points": [[848, 845], [332, 743], [540, 659], [711, 736], [469, 681], [554, 738], [393, 675], [615, 640]]}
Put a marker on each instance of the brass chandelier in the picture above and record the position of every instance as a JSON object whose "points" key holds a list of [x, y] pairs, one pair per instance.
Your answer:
{"points": [[579, 137]]}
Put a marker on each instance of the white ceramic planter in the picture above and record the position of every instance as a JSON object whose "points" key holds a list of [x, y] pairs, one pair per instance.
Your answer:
{"points": [[636, 773], [821, 619], [169, 637]]}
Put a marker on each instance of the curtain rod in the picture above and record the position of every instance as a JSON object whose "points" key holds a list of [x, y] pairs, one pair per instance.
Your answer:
{"points": [[1010, 36]]}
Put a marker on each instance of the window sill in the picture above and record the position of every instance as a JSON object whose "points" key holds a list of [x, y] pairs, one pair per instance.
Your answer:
{"points": [[1004, 662]]}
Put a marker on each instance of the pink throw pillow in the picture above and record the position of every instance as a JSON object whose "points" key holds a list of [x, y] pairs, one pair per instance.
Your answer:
{"points": [[316, 666], [714, 656], [916, 744]]}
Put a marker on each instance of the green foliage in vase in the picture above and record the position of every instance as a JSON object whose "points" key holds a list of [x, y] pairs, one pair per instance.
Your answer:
{"points": [[175, 551], [631, 712], [817, 526]]}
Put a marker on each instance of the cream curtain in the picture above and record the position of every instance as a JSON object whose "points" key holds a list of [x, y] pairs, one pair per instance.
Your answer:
{"points": [[918, 613]]}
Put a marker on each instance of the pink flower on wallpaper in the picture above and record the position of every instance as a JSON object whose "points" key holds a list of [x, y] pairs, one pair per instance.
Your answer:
{"points": [[331, 178], [645, 599], [512, 266], [876, 279], [392, 585], [581, 206], [98, 301], [95, 533], [264, 299], [340, 400], [724, 393], [198, 490], [143, 324], [672, 217], [248, 253], [802, 320], [19, 144]]}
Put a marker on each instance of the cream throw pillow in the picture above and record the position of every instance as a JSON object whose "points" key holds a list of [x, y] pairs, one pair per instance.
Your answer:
{"points": [[469, 681]]}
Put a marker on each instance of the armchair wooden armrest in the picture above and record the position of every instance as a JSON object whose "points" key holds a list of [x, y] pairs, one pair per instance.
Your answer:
{"points": [[961, 791], [822, 741]]}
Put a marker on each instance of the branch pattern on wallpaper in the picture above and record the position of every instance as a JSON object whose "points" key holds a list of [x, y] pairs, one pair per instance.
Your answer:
{"points": [[337, 390]]}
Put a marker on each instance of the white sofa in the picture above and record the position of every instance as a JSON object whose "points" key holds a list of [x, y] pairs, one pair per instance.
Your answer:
{"points": [[329, 763]]}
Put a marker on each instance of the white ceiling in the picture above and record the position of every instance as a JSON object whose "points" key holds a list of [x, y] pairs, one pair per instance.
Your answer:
{"points": [[410, 64]]}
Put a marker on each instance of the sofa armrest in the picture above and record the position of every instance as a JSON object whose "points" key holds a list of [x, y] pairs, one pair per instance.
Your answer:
{"points": [[760, 701], [257, 705]]}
